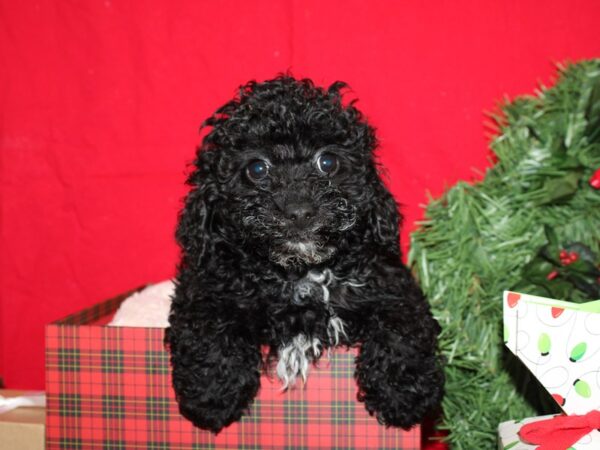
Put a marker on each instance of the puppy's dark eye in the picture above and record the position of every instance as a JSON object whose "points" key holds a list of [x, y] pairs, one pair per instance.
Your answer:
{"points": [[257, 169], [327, 163]]}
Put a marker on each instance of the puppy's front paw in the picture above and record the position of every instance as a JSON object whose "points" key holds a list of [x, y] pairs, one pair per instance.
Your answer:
{"points": [[213, 399], [215, 409], [215, 378], [398, 385]]}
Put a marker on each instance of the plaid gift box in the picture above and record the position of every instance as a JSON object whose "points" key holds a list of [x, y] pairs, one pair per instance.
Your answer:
{"points": [[110, 388]]}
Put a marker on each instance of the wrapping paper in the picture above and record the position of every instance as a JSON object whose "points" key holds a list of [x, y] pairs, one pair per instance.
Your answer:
{"points": [[30, 399]]}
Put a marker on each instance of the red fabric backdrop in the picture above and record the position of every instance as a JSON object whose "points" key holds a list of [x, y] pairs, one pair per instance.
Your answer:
{"points": [[100, 104]]}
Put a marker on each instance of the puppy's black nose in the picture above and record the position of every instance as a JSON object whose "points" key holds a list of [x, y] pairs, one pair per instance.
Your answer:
{"points": [[300, 214]]}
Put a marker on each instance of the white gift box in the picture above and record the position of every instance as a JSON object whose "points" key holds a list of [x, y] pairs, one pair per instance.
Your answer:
{"points": [[559, 342]]}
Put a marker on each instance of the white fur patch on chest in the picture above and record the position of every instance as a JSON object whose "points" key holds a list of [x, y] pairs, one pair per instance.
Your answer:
{"points": [[296, 356]]}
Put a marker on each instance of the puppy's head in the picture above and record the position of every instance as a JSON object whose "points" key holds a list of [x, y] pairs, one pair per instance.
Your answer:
{"points": [[287, 172]]}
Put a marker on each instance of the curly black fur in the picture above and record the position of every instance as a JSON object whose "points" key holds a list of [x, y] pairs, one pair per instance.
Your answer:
{"points": [[252, 275]]}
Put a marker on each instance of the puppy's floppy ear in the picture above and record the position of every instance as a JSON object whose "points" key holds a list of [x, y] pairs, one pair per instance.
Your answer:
{"points": [[192, 229], [384, 218]]}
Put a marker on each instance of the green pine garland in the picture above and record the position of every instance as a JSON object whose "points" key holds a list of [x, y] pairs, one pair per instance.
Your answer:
{"points": [[476, 240]]}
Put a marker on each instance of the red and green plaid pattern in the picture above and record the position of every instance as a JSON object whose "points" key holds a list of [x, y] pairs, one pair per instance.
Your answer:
{"points": [[110, 388]]}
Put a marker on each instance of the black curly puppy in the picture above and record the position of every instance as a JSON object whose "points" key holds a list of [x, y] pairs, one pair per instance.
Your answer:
{"points": [[290, 240]]}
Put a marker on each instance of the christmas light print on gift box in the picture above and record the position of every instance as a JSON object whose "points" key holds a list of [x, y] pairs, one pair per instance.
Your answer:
{"points": [[559, 342]]}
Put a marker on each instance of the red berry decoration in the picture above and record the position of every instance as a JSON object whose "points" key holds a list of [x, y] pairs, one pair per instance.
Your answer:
{"points": [[567, 258], [552, 275], [595, 180]]}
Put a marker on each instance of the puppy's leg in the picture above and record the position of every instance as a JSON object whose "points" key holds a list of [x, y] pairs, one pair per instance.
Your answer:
{"points": [[216, 373], [399, 374]]}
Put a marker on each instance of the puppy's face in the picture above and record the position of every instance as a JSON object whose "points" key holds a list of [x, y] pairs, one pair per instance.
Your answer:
{"points": [[287, 172], [296, 201]]}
